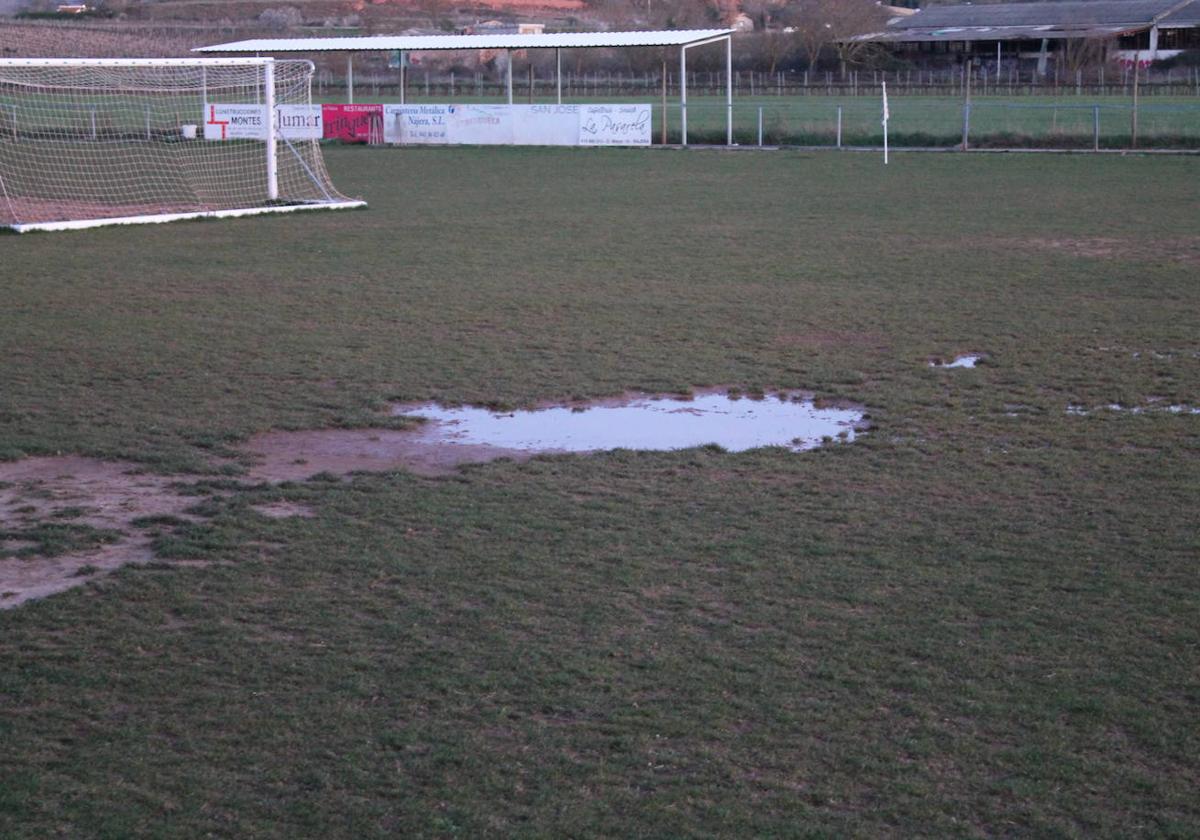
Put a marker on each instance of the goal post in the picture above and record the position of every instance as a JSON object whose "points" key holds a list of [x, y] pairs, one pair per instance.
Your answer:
{"points": [[88, 142]]}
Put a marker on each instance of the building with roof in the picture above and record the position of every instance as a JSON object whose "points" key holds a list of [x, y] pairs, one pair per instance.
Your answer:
{"points": [[1125, 30]]}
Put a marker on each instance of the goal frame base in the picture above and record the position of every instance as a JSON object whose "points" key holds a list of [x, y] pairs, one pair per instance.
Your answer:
{"points": [[159, 218]]}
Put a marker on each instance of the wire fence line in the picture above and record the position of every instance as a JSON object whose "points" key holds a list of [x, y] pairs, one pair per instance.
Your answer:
{"points": [[916, 121], [1011, 81], [943, 122]]}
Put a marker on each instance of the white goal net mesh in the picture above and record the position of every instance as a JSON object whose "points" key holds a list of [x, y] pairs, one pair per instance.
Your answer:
{"points": [[99, 140]]}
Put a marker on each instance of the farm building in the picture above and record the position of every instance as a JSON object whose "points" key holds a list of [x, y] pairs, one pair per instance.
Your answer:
{"points": [[1066, 32]]}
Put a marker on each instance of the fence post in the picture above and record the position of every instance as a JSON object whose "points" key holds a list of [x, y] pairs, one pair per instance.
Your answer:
{"points": [[839, 127], [1133, 126], [966, 132], [664, 102], [1095, 128], [760, 125]]}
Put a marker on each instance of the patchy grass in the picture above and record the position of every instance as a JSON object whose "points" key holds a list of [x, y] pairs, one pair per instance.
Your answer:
{"points": [[48, 539], [973, 620]]}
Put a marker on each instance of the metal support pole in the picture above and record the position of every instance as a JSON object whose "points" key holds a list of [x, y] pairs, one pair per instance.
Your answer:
{"points": [[683, 95], [729, 91], [272, 126], [1095, 128], [403, 60], [508, 75], [558, 73], [760, 125], [966, 132], [839, 126], [997, 62], [664, 101], [350, 79]]}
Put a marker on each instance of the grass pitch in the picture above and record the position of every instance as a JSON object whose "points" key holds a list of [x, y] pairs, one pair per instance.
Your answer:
{"points": [[979, 618]]}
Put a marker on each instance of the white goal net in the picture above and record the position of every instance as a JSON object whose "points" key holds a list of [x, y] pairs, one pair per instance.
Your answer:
{"points": [[101, 141]]}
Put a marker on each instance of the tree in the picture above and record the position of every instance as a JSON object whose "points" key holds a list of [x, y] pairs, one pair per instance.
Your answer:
{"points": [[819, 24], [772, 41], [1082, 53]]}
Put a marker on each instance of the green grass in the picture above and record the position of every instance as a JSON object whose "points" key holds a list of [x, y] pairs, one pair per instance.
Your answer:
{"points": [[980, 618]]}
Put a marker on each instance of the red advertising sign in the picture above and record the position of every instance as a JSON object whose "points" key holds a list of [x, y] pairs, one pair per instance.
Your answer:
{"points": [[353, 123]]}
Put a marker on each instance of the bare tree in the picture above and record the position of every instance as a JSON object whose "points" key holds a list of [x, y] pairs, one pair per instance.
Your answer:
{"points": [[771, 40], [1082, 53], [820, 24]]}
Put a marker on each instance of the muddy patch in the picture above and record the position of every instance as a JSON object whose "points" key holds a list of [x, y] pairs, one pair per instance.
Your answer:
{"points": [[75, 500], [64, 520], [284, 510], [295, 456]]}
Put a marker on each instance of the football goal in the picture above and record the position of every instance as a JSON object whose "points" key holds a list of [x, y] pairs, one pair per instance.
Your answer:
{"points": [[89, 141]]}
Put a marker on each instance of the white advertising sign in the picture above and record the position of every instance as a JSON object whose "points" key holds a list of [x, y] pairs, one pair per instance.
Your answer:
{"points": [[481, 125], [235, 122], [416, 123], [545, 125], [523, 125], [300, 122], [614, 125], [249, 122]]}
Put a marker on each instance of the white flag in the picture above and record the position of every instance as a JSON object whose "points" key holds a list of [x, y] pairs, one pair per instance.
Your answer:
{"points": [[885, 107]]}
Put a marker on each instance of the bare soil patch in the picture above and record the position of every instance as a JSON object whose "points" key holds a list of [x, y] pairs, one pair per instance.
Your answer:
{"points": [[295, 456], [107, 495], [284, 510]]}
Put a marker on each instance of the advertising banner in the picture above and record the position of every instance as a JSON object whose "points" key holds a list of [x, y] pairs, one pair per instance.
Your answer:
{"points": [[416, 123], [351, 123], [300, 122], [522, 125], [235, 122], [249, 122], [545, 125], [615, 125], [481, 125]]}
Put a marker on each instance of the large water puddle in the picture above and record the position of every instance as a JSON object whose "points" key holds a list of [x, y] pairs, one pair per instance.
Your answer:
{"points": [[643, 422]]}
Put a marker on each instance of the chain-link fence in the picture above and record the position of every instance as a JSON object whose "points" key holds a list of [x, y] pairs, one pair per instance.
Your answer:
{"points": [[939, 122]]}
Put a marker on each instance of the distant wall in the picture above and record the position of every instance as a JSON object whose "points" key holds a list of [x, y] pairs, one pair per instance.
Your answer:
{"points": [[11, 7]]}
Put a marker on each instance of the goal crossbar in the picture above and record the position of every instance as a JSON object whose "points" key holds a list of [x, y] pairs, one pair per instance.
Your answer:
{"points": [[135, 62]]}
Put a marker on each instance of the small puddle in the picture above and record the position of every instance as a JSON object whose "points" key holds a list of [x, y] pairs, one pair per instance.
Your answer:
{"points": [[959, 362], [1083, 410], [643, 422]]}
